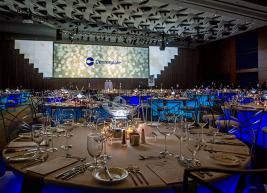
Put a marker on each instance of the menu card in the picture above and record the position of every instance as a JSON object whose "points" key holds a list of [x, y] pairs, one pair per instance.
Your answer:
{"points": [[52, 165]]}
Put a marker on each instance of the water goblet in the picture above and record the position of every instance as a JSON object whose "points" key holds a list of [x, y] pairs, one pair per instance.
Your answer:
{"points": [[193, 145], [38, 136], [94, 147], [166, 130]]}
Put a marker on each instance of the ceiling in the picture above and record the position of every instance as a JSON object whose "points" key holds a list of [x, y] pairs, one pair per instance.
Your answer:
{"points": [[138, 22]]}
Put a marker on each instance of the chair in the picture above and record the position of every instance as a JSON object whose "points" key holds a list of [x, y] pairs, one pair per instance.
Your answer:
{"points": [[228, 121], [191, 108], [264, 132], [249, 123], [191, 173], [164, 109], [38, 107], [15, 122], [144, 106], [120, 100], [68, 115]]}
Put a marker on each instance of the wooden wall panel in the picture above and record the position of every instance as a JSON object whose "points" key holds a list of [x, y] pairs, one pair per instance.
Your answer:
{"points": [[182, 70], [262, 55], [217, 62]]}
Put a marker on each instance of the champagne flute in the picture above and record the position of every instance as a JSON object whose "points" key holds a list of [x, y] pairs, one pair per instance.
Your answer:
{"points": [[37, 136], [94, 147]]}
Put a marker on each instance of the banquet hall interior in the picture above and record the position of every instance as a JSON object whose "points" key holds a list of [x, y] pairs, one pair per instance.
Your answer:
{"points": [[157, 96]]}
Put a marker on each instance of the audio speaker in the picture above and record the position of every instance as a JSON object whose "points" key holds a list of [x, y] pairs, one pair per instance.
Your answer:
{"points": [[162, 45], [59, 35]]}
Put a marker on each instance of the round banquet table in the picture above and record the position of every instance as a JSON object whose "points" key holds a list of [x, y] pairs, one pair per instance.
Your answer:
{"points": [[123, 156]]}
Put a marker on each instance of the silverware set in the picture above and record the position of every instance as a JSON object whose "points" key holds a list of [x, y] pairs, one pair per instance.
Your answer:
{"points": [[137, 176], [79, 169]]}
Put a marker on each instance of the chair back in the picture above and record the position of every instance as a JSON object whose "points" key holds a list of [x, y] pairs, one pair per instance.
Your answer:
{"points": [[37, 106], [192, 174], [13, 122], [119, 99]]}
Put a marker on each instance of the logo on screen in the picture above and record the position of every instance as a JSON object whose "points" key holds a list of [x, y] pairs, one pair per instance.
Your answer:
{"points": [[90, 61]]}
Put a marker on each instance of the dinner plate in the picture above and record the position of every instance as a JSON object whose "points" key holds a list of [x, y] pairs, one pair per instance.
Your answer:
{"points": [[118, 174], [225, 159]]}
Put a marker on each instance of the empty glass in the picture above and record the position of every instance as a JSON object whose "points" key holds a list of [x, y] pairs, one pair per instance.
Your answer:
{"points": [[193, 145], [38, 135], [53, 133], [167, 129], [181, 136], [106, 132], [94, 147]]}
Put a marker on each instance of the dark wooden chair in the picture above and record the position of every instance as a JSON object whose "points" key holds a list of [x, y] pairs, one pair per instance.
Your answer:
{"points": [[15, 122], [191, 173]]}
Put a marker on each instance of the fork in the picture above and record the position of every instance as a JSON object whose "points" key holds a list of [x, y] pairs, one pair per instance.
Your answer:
{"points": [[131, 175], [138, 171], [132, 170]]}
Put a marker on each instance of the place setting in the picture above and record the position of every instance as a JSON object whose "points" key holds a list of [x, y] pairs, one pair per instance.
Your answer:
{"points": [[135, 96]]}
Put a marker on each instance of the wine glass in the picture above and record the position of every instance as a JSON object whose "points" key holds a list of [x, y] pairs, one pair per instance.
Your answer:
{"points": [[37, 135], [193, 145], [94, 147], [53, 133], [204, 121], [167, 129], [106, 132], [181, 135]]}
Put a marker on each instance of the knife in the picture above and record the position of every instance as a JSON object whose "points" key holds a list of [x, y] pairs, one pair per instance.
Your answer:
{"points": [[69, 171]]}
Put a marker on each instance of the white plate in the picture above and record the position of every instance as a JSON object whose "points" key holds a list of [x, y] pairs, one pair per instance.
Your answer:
{"points": [[118, 174], [225, 159]]}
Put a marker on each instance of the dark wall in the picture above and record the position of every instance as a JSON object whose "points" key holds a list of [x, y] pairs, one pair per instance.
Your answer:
{"points": [[230, 60], [262, 55], [15, 71], [182, 70], [217, 62]]}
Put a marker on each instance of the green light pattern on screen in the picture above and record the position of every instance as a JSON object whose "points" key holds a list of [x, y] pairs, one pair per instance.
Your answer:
{"points": [[70, 61]]}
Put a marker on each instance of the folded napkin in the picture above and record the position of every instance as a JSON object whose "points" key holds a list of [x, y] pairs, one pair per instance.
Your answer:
{"points": [[51, 165], [15, 144], [233, 142], [237, 149], [167, 171]]}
